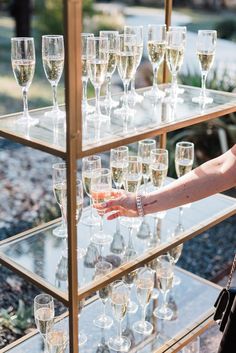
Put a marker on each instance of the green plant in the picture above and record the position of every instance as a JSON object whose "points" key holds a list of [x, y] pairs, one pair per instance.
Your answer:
{"points": [[226, 29], [18, 322]]}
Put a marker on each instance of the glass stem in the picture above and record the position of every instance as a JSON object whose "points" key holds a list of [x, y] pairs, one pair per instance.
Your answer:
{"points": [[181, 210], [97, 95], [63, 217], [84, 99], [174, 84], [101, 224], [108, 89], [165, 300], [155, 79], [203, 91], [25, 102], [126, 87], [120, 330], [104, 309], [133, 85], [91, 207], [144, 313], [54, 97]]}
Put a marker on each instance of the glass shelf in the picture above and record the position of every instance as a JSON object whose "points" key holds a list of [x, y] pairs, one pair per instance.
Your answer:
{"points": [[191, 301], [150, 119], [38, 255]]}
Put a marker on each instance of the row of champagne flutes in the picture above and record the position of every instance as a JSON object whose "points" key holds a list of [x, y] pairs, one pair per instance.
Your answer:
{"points": [[118, 293], [126, 171], [101, 55]]}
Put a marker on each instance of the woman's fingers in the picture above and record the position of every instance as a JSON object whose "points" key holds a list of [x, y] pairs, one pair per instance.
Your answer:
{"points": [[113, 216], [112, 208], [111, 203]]}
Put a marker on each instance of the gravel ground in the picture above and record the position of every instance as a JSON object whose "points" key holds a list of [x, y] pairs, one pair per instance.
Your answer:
{"points": [[24, 172]]}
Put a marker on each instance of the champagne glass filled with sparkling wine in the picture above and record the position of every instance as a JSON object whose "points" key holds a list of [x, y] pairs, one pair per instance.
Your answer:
{"points": [[57, 337], [129, 279], [86, 108], [206, 45], [53, 64], [158, 172], [138, 32], [102, 268], [119, 303], [164, 272], [44, 313], [127, 62], [184, 157], [98, 56], [156, 46], [144, 284], [59, 188], [113, 41], [23, 65], [101, 188], [89, 165], [176, 40], [144, 151]]}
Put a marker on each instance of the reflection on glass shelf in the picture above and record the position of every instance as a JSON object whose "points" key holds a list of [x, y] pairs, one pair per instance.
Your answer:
{"points": [[41, 252], [189, 301], [149, 116]]}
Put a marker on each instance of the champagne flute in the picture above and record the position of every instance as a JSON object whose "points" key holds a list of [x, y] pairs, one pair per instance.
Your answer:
{"points": [[158, 169], [44, 313], [57, 337], [156, 53], [113, 41], [132, 180], [176, 40], [144, 284], [23, 66], [101, 188], [144, 151], [127, 62], [164, 272], [53, 64], [59, 185], [175, 253], [89, 165], [138, 32], [206, 45], [118, 166], [98, 56], [86, 108], [129, 279], [184, 156], [119, 303], [102, 268]]}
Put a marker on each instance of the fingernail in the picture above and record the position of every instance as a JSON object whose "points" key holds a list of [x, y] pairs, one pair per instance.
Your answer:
{"points": [[104, 204]]}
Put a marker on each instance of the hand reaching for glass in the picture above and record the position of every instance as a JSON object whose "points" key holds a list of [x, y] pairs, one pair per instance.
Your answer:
{"points": [[121, 204]]}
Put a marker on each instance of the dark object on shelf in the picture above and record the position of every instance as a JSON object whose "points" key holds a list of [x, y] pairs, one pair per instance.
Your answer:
{"points": [[228, 341], [21, 11]]}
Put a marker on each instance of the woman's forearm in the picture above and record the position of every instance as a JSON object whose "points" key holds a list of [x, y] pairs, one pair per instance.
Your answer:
{"points": [[214, 176]]}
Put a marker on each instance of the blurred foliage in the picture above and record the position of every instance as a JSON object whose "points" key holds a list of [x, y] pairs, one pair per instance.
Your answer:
{"points": [[52, 11], [18, 322], [226, 29]]}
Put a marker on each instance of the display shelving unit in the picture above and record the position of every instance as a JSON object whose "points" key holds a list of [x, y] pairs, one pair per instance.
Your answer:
{"points": [[195, 296]]}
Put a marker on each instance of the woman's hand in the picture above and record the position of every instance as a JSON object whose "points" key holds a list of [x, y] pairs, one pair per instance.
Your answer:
{"points": [[121, 206]]}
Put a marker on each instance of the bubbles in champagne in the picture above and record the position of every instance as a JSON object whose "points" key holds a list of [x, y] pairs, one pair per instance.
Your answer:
{"points": [[156, 52], [44, 319], [53, 67], [164, 280], [206, 60], [84, 67], [132, 182], [126, 65], [158, 174], [183, 166], [112, 61], [119, 302], [144, 287], [23, 71], [97, 71], [175, 57], [59, 191]]}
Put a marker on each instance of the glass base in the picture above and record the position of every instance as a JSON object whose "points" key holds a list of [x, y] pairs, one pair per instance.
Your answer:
{"points": [[101, 238], [57, 114], [98, 117], [124, 112], [202, 100], [145, 328], [89, 220], [111, 103], [131, 222], [82, 339], [103, 321], [134, 97], [154, 93], [173, 99], [27, 120], [163, 313], [177, 91], [132, 307], [60, 232], [144, 231], [121, 344], [176, 280]]}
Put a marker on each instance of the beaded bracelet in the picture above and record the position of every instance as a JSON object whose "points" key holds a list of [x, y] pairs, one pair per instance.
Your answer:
{"points": [[139, 205]]}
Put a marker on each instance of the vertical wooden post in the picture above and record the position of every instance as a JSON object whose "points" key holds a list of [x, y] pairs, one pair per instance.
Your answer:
{"points": [[73, 25], [168, 12]]}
